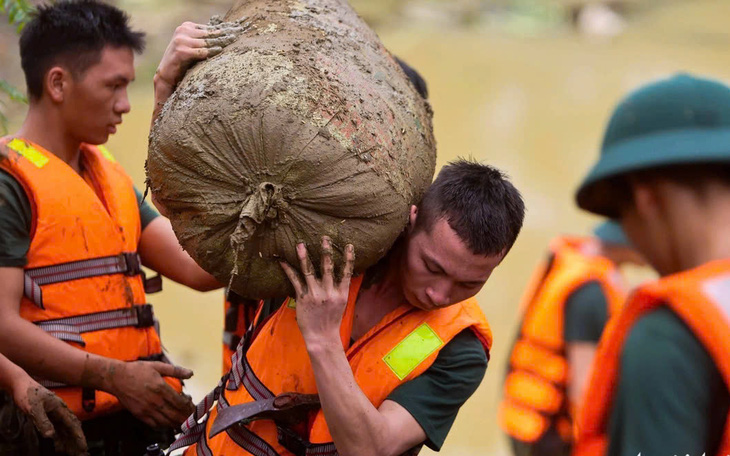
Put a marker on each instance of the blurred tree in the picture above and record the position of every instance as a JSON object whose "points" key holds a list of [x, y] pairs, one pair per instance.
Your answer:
{"points": [[19, 13]]}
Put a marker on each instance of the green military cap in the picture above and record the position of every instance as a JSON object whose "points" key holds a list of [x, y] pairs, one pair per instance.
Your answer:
{"points": [[681, 120]]}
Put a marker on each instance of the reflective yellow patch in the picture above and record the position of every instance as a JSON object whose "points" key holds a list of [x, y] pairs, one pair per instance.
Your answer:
{"points": [[413, 350], [291, 303], [32, 154], [105, 152]]}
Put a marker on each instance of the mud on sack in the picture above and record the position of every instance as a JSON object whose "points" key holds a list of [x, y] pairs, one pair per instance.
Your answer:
{"points": [[305, 126]]}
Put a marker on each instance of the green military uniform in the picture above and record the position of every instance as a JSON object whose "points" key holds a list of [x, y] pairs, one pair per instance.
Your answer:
{"points": [[671, 398]]}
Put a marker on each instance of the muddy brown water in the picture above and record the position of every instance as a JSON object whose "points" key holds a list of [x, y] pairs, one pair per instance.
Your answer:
{"points": [[533, 106]]}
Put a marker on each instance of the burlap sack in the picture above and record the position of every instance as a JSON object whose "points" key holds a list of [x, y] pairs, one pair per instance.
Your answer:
{"points": [[305, 126]]}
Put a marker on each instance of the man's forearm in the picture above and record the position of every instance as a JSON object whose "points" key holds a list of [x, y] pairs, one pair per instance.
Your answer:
{"points": [[356, 426], [9, 373], [163, 91], [42, 354]]}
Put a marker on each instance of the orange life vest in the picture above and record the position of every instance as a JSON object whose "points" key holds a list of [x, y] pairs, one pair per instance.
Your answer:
{"points": [[701, 298], [399, 348], [238, 314], [83, 281], [535, 386]]}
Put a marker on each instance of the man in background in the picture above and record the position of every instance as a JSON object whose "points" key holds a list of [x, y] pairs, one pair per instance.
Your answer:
{"points": [[660, 385], [564, 311]]}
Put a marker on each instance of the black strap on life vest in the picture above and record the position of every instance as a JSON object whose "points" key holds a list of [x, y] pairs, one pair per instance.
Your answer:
{"points": [[284, 409], [127, 263], [241, 374], [239, 307], [69, 329]]}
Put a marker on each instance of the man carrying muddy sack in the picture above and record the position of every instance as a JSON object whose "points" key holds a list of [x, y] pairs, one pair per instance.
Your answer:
{"points": [[376, 363], [73, 307]]}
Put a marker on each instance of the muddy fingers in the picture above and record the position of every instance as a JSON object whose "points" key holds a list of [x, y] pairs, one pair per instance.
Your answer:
{"points": [[220, 41], [69, 437], [54, 420], [212, 52], [36, 399], [177, 406], [349, 267], [171, 370], [326, 262]]}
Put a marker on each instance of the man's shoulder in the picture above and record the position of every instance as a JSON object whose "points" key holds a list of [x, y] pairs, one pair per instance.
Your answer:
{"points": [[661, 341], [465, 345], [434, 397], [667, 381], [659, 326], [13, 198]]}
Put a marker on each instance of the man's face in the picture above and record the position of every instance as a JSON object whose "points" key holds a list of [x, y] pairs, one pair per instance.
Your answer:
{"points": [[97, 98], [439, 269]]}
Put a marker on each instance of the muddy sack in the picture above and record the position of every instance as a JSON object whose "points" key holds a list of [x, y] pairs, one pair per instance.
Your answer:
{"points": [[305, 126]]}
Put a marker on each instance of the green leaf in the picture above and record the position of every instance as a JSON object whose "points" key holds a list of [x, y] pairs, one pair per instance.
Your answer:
{"points": [[19, 12], [3, 124], [14, 94], [13, 15]]}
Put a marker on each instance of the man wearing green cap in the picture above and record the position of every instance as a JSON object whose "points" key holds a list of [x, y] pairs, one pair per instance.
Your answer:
{"points": [[661, 376], [564, 311]]}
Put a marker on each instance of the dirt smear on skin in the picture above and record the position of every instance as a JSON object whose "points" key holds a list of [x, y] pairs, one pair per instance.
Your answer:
{"points": [[304, 127]]}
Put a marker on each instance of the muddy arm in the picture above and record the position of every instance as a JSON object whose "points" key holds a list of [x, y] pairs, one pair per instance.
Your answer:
{"points": [[357, 427], [161, 251], [49, 413], [138, 385]]}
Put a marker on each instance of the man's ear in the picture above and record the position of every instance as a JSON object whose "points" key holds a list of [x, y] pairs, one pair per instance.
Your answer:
{"points": [[56, 83], [412, 217], [645, 197]]}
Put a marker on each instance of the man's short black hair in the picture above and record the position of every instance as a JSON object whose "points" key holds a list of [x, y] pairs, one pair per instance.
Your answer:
{"points": [[480, 204], [618, 194], [72, 33]]}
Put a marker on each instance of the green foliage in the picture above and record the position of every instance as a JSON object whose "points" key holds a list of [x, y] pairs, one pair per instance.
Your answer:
{"points": [[12, 93], [19, 13]]}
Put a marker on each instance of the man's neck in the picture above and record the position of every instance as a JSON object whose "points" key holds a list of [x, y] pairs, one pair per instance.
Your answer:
{"points": [[42, 128], [388, 291], [703, 238], [380, 298]]}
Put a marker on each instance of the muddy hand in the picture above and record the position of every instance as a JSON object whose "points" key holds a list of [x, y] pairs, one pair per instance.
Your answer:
{"points": [[51, 417], [141, 389], [320, 302], [192, 42]]}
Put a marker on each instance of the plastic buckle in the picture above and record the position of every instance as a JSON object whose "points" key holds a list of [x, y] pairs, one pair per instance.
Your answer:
{"points": [[88, 399], [134, 264], [145, 316], [153, 284], [292, 441]]}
